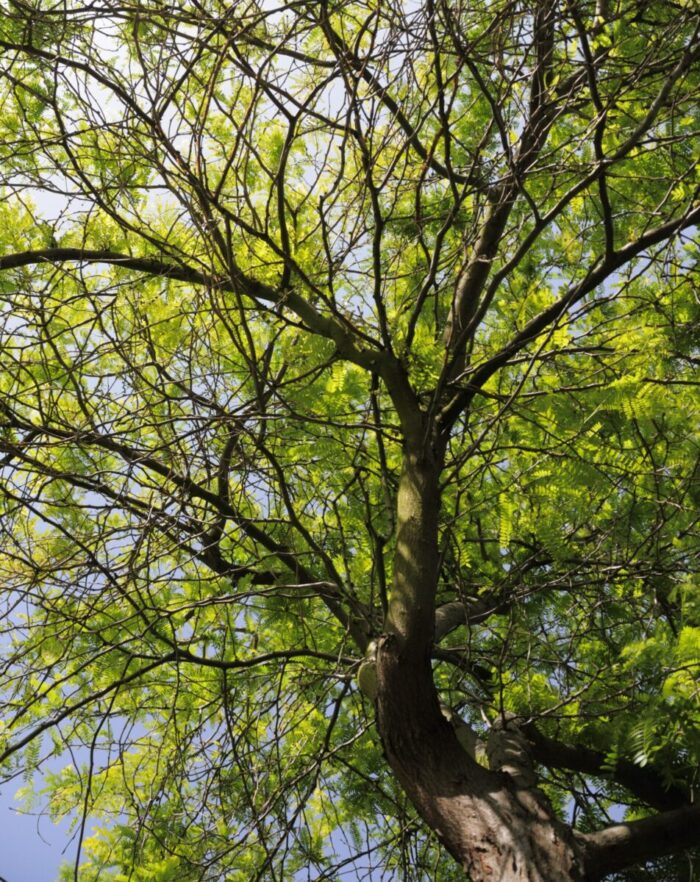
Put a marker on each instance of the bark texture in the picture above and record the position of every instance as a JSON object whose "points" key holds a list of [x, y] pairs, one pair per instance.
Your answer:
{"points": [[497, 831]]}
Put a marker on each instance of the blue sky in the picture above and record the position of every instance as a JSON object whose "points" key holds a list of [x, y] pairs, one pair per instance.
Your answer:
{"points": [[32, 848]]}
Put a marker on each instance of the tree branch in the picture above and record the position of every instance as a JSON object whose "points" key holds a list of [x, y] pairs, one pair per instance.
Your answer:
{"points": [[354, 620], [348, 343], [644, 782], [345, 54], [68, 709], [596, 276], [472, 278], [624, 845], [451, 615], [148, 265]]}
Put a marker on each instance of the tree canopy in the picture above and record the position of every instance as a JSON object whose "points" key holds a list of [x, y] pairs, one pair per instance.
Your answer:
{"points": [[339, 337]]}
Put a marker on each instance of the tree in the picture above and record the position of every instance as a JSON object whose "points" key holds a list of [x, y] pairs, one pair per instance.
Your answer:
{"points": [[344, 337]]}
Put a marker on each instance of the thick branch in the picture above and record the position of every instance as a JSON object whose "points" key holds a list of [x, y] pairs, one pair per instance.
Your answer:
{"points": [[348, 343], [598, 274], [472, 278], [148, 265], [451, 615], [624, 845], [411, 613], [474, 275], [645, 783]]}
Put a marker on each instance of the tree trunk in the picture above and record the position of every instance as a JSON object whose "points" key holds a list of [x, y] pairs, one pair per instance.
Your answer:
{"points": [[496, 830]]}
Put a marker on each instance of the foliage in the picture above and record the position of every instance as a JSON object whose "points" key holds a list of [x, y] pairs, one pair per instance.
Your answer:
{"points": [[222, 224]]}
